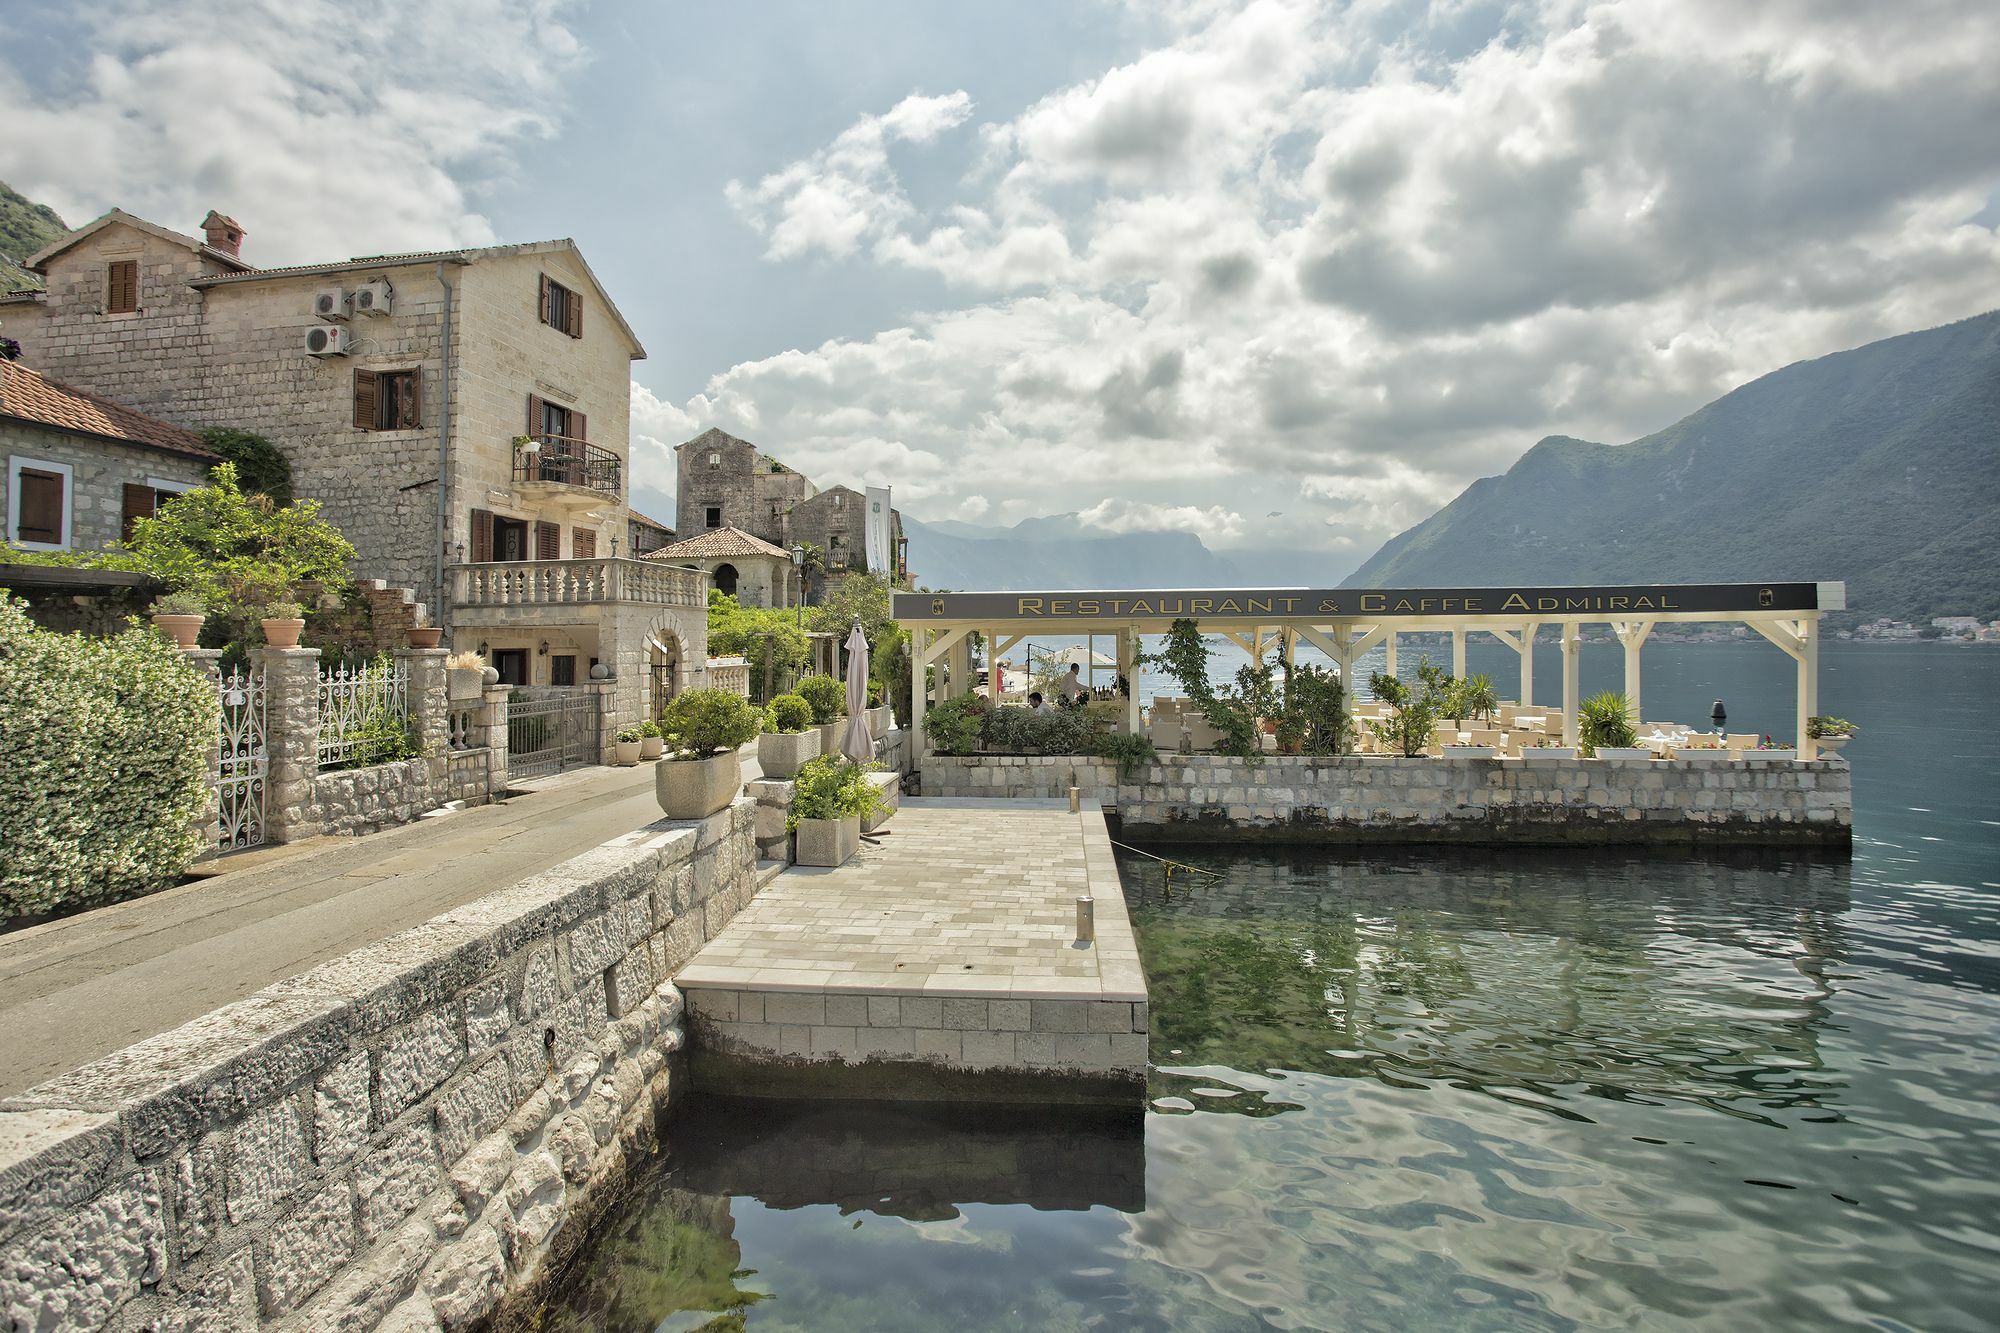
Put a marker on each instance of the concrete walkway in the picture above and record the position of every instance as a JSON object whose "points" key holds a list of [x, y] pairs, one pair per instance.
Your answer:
{"points": [[82, 987]]}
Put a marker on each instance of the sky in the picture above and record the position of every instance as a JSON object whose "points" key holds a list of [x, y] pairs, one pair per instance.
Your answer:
{"points": [[1286, 275]]}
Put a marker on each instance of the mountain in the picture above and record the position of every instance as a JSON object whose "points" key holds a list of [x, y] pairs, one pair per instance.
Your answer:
{"points": [[1057, 551], [24, 228], [1879, 466]]}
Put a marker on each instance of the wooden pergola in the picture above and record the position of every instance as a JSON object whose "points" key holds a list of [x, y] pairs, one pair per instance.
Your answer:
{"points": [[1344, 623]]}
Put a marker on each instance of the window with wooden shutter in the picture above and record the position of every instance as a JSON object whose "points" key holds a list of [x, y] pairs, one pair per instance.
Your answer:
{"points": [[537, 419], [140, 502], [121, 287], [544, 302], [579, 426], [582, 544], [367, 400], [575, 327], [43, 506], [405, 407], [482, 536], [548, 541]]}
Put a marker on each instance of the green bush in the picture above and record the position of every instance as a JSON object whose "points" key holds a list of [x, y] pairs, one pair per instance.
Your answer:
{"points": [[833, 788], [630, 735], [789, 714], [1313, 718], [650, 730], [260, 466], [1133, 753], [827, 696], [1413, 716], [1020, 731], [103, 765], [954, 726], [700, 723], [1822, 725], [1604, 720], [379, 734]]}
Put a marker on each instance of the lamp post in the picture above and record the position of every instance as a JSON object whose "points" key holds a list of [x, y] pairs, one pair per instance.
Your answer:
{"points": [[799, 572]]}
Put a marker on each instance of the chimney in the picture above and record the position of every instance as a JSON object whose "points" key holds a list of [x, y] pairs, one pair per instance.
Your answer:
{"points": [[223, 233]]}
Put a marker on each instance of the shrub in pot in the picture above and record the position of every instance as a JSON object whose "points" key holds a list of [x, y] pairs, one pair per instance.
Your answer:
{"points": [[179, 615], [652, 742], [626, 747], [283, 622], [789, 738], [465, 676], [1604, 728], [1830, 733], [702, 773], [830, 798], [826, 697]]}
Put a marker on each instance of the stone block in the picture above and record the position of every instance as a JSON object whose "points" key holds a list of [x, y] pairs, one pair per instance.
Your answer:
{"points": [[1129, 1051], [222, 1297], [885, 1043], [940, 1047], [1091, 1050], [922, 1012], [1059, 1016], [487, 1015], [1036, 1049], [789, 1008], [965, 1015], [1110, 1017], [541, 984], [304, 1249], [415, 1058], [467, 1279], [473, 1104], [89, 1262], [363, 1294], [847, 1011], [884, 1011], [50, 1159], [1007, 1015], [987, 1050], [478, 1175], [340, 1110], [795, 1039], [267, 1160], [393, 1178]]}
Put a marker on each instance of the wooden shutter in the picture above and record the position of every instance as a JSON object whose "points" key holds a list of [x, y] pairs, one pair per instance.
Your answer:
{"points": [[482, 536], [140, 502], [410, 400], [535, 426], [548, 541], [545, 300], [575, 329], [582, 544], [41, 506], [579, 426], [121, 286], [367, 400]]}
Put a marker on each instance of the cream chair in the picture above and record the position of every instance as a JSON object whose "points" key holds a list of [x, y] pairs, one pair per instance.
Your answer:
{"points": [[1741, 741]]}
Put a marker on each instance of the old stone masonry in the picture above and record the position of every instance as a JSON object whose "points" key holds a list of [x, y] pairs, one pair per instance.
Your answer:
{"points": [[402, 1138]]}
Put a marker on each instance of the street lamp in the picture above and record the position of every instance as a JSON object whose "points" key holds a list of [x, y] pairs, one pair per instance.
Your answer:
{"points": [[799, 572]]}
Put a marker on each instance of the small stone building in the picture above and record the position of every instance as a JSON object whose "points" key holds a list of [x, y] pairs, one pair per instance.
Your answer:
{"points": [[725, 482], [645, 534], [81, 470], [749, 569]]}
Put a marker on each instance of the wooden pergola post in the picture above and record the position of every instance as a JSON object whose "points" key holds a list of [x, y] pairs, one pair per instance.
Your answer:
{"points": [[1572, 646]]}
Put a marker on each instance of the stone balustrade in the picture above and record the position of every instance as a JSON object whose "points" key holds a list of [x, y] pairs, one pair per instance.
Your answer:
{"points": [[575, 583]]}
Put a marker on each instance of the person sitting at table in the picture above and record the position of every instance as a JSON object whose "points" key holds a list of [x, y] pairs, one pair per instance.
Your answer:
{"points": [[1037, 704]]}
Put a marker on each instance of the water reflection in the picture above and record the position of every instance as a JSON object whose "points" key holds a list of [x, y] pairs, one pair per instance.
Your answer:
{"points": [[1546, 979]]}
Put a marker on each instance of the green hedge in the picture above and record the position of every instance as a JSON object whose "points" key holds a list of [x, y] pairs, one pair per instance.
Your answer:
{"points": [[103, 765]]}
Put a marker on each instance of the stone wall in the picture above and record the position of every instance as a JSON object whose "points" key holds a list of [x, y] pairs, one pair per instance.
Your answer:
{"points": [[99, 471], [1214, 798], [365, 800], [401, 1137]]}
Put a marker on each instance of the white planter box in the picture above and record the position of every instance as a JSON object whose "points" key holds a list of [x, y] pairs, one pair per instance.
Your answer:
{"points": [[1624, 753], [1831, 745], [1788, 756], [827, 842], [697, 788], [782, 754], [1707, 756], [881, 721], [830, 734], [1549, 753], [1468, 752]]}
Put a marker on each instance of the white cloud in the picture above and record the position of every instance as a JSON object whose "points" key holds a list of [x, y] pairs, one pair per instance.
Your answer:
{"points": [[1214, 524], [326, 129]]}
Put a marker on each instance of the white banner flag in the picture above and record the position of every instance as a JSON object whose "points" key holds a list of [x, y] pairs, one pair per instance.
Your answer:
{"points": [[875, 538]]}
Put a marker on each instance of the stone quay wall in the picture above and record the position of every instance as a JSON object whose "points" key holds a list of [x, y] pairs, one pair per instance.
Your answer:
{"points": [[403, 1137], [1351, 798]]}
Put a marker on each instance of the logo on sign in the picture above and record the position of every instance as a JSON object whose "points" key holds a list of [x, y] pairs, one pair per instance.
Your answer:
{"points": [[1765, 597], [937, 606]]}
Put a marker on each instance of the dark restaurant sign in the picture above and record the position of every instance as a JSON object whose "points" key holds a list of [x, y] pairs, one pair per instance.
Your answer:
{"points": [[1270, 606]]}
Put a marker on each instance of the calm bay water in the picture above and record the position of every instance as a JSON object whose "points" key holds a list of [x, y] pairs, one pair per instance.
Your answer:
{"points": [[1472, 1091]]}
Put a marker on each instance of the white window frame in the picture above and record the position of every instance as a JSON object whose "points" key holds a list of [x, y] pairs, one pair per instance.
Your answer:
{"points": [[169, 484], [15, 462]]}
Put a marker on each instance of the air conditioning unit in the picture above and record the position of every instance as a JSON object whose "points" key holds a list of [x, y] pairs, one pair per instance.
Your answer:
{"points": [[327, 340], [331, 303], [374, 298]]}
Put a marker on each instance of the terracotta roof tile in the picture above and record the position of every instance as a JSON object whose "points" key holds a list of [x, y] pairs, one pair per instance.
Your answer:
{"points": [[26, 396], [717, 542]]}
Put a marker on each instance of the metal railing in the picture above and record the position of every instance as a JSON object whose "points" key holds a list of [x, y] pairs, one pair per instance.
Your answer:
{"points": [[364, 714], [571, 462], [574, 582]]}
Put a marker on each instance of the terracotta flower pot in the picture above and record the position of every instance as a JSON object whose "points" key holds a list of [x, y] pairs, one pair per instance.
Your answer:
{"points": [[425, 636], [183, 630], [697, 788], [283, 632]]}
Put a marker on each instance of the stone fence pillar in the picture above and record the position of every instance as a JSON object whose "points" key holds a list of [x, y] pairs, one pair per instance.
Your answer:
{"points": [[493, 723], [610, 717], [427, 697], [291, 742], [208, 824]]}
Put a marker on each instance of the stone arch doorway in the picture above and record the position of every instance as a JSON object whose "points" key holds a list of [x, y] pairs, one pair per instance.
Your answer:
{"points": [[725, 579], [663, 651]]}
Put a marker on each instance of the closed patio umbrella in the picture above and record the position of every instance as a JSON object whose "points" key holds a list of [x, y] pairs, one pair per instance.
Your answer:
{"points": [[855, 742]]}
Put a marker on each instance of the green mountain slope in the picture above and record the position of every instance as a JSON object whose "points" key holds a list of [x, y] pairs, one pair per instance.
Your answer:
{"points": [[1879, 466], [24, 228]]}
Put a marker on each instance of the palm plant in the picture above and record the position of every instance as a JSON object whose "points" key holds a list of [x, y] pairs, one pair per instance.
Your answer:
{"points": [[1604, 719]]}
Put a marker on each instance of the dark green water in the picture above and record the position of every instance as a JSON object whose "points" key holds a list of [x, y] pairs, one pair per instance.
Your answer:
{"points": [[1473, 1091]]}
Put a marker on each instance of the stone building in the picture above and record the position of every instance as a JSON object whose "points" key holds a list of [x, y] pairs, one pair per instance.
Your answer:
{"points": [[749, 569], [462, 415], [724, 482], [81, 470], [646, 534]]}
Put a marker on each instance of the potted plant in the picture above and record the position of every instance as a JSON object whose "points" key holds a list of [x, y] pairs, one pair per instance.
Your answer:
{"points": [[1831, 733], [703, 774], [465, 677], [179, 616], [788, 739], [426, 636], [652, 741], [827, 698], [1605, 728], [829, 800], [528, 446], [1457, 751], [283, 622], [627, 746], [1770, 749], [1704, 750], [1546, 749]]}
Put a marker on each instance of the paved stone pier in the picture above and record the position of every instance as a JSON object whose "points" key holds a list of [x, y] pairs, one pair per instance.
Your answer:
{"points": [[941, 962]]}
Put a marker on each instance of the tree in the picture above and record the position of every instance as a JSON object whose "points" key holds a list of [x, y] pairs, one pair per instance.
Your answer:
{"points": [[237, 550], [260, 466], [756, 634]]}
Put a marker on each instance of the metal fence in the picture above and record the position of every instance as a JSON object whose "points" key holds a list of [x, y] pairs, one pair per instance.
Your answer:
{"points": [[364, 714], [241, 758], [550, 729]]}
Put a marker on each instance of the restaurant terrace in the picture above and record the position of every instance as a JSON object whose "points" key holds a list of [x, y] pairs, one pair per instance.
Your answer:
{"points": [[1345, 623]]}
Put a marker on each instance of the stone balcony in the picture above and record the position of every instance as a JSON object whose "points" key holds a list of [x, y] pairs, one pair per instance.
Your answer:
{"points": [[572, 583], [569, 472]]}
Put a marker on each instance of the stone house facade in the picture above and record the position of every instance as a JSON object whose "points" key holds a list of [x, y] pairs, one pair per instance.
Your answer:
{"points": [[646, 534], [725, 482], [752, 571], [463, 416], [80, 470]]}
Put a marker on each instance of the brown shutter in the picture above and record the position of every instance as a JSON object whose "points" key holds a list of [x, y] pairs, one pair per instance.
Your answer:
{"points": [[410, 400], [582, 544], [575, 329], [548, 541], [41, 507], [579, 426], [367, 400], [545, 298], [482, 536], [534, 416], [140, 502], [121, 286]]}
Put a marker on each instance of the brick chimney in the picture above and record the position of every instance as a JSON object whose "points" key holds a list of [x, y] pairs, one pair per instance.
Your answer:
{"points": [[223, 233]]}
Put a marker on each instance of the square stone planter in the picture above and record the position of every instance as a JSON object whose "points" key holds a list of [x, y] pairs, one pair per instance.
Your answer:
{"points": [[1468, 752], [830, 734], [697, 788], [465, 684], [881, 721], [827, 842], [782, 754]]}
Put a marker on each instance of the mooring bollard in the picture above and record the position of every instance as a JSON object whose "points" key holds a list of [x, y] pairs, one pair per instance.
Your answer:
{"points": [[1086, 919], [1075, 801]]}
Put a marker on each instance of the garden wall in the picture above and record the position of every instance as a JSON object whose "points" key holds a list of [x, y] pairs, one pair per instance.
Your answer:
{"points": [[1021, 775], [400, 1137]]}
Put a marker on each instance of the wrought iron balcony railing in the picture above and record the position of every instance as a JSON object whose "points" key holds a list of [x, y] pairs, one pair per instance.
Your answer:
{"points": [[570, 462]]}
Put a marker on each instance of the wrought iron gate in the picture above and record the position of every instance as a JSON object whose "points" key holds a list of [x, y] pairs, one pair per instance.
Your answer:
{"points": [[550, 729], [243, 763]]}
